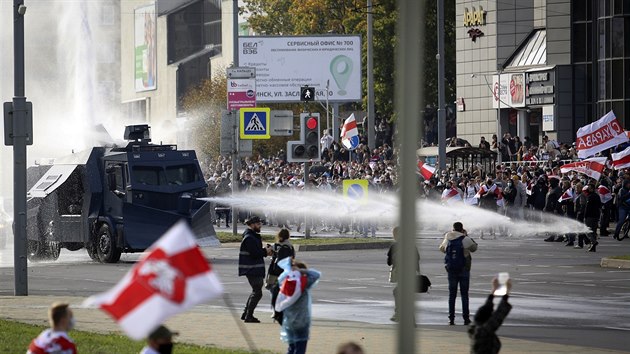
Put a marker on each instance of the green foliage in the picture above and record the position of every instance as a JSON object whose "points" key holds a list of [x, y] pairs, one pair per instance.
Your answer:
{"points": [[17, 336], [287, 17], [204, 104]]}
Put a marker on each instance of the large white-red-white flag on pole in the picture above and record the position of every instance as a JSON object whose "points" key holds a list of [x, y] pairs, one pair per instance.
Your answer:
{"points": [[172, 277], [621, 159], [599, 136], [592, 167], [426, 171]]}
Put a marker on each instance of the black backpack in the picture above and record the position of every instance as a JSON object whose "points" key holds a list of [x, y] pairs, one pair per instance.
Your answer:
{"points": [[454, 260]]}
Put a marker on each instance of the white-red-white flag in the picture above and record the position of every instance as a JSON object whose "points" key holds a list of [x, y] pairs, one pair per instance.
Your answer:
{"points": [[592, 167], [484, 189], [451, 196], [599, 136], [171, 277], [568, 194], [604, 194], [498, 192], [426, 171], [349, 133], [621, 159], [291, 289]]}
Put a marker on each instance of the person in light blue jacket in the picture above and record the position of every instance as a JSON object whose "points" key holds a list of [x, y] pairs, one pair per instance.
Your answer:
{"points": [[294, 300]]}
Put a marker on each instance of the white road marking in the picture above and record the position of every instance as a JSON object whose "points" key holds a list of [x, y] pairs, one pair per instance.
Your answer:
{"points": [[335, 301], [542, 266], [353, 287], [580, 272]]}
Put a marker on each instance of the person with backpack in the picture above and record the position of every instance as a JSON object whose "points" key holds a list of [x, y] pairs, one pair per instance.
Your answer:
{"points": [[457, 247], [281, 250]]}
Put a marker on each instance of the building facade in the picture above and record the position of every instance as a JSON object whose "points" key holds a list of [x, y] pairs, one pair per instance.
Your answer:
{"points": [[540, 67], [168, 47]]}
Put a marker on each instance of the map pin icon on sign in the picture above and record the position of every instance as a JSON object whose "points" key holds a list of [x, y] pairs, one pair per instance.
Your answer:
{"points": [[341, 69]]}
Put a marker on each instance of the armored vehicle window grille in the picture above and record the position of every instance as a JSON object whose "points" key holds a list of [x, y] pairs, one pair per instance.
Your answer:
{"points": [[49, 181], [150, 176], [172, 175], [180, 175]]}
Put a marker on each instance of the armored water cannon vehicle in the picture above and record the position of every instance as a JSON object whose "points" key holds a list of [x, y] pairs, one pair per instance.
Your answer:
{"points": [[110, 200]]}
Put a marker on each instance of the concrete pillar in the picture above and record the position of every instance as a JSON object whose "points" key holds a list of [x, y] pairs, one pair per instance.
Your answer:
{"points": [[522, 124]]}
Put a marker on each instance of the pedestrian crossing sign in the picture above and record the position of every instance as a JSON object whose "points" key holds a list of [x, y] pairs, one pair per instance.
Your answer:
{"points": [[356, 189], [254, 123]]}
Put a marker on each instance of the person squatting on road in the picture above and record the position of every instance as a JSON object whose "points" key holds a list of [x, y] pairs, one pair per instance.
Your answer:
{"points": [[55, 340], [294, 301], [281, 250], [393, 272], [251, 263], [482, 333], [457, 246], [160, 341]]}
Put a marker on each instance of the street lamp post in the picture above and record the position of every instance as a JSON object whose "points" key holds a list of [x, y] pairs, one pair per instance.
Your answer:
{"points": [[20, 138], [370, 80], [441, 88]]}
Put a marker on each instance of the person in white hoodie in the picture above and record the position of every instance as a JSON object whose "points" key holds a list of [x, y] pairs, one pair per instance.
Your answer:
{"points": [[457, 246]]}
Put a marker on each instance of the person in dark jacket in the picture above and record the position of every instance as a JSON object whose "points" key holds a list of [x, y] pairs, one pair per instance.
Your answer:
{"points": [[281, 250], [553, 206], [482, 333], [592, 212], [393, 271], [623, 207], [251, 263]]}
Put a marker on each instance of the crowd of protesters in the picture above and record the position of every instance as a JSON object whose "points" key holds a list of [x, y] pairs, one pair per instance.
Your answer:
{"points": [[525, 184]]}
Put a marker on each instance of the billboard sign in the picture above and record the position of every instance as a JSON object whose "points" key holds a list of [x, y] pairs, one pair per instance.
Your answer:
{"points": [[241, 88], [511, 90], [145, 43], [285, 64]]}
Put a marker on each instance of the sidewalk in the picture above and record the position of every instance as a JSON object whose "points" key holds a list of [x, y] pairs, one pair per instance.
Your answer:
{"points": [[211, 325]]}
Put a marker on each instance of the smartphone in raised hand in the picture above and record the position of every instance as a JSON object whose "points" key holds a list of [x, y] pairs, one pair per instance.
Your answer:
{"points": [[502, 278]]}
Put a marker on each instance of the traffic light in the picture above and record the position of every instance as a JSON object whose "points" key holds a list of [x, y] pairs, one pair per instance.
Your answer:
{"points": [[307, 148], [307, 93]]}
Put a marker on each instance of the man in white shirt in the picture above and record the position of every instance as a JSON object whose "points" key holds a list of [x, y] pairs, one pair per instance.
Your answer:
{"points": [[326, 140]]}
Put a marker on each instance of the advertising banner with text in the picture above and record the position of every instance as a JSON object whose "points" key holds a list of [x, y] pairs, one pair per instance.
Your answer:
{"points": [[284, 64], [512, 90]]}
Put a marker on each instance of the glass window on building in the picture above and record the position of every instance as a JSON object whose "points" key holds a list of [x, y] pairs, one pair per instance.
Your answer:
{"points": [[193, 29]]}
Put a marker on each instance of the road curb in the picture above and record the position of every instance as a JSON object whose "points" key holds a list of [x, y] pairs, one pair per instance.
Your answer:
{"points": [[345, 246], [608, 262]]}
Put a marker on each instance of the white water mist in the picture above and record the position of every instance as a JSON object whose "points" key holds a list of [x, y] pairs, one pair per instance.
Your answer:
{"points": [[384, 208]]}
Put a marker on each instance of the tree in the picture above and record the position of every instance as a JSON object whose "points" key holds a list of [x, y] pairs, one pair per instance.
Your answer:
{"points": [[204, 104]]}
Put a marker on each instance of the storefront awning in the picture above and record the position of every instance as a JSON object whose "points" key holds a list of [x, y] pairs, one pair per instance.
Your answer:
{"points": [[532, 52]]}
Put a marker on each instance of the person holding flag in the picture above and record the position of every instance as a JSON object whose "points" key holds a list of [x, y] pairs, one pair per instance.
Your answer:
{"points": [[349, 133], [172, 276], [294, 300]]}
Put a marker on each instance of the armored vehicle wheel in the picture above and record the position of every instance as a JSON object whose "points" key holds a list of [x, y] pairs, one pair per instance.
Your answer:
{"points": [[35, 250], [90, 247], [42, 250], [106, 247], [53, 250]]}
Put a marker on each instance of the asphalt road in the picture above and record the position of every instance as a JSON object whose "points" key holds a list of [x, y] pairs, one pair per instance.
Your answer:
{"points": [[560, 294]]}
